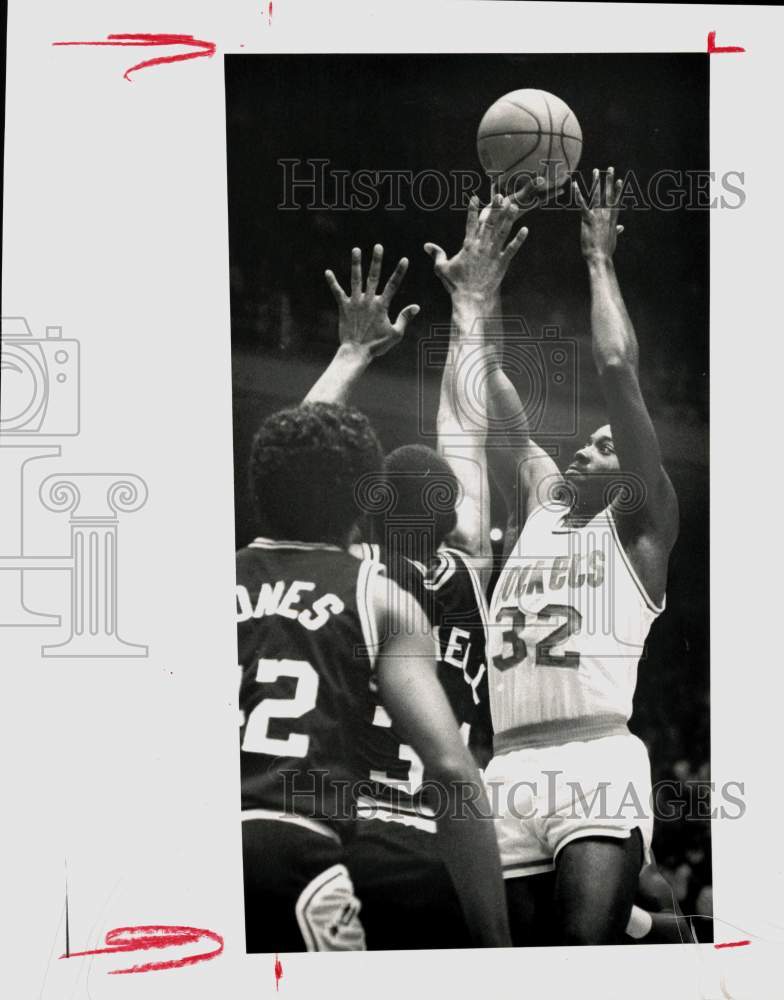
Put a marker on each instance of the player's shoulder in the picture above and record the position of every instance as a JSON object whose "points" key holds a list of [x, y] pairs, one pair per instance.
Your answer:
{"points": [[451, 567], [291, 556], [553, 511], [446, 566], [397, 609], [541, 521], [367, 550], [461, 586], [250, 559]]}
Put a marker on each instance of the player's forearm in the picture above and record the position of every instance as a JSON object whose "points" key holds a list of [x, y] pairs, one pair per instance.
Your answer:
{"points": [[504, 404], [462, 410], [505, 409], [470, 852], [509, 445], [466, 335], [505, 417], [462, 425], [612, 334], [341, 375]]}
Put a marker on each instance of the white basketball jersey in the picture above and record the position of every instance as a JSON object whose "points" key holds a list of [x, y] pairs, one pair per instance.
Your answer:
{"points": [[568, 621]]}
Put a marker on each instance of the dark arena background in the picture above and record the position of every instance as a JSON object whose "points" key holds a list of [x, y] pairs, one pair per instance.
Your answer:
{"points": [[640, 113]]}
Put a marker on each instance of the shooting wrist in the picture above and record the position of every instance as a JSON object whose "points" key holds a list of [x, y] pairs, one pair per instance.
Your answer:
{"points": [[467, 309], [468, 298], [599, 262]]}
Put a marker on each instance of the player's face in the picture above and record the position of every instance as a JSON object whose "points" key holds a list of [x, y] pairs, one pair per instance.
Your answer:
{"points": [[597, 455]]}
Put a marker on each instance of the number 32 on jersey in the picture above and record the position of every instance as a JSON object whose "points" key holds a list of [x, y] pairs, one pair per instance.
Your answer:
{"points": [[526, 632]]}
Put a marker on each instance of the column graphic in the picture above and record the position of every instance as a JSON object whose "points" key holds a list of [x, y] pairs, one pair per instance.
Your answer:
{"points": [[94, 501], [40, 400]]}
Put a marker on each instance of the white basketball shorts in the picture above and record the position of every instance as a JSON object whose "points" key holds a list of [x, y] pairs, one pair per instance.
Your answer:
{"points": [[546, 797]]}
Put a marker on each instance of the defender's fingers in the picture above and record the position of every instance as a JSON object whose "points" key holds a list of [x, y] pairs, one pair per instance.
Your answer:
{"points": [[356, 271], [609, 186], [375, 268], [335, 288], [580, 200], [515, 244], [596, 194], [435, 251], [509, 213], [404, 317], [493, 211], [472, 221], [394, 280]]}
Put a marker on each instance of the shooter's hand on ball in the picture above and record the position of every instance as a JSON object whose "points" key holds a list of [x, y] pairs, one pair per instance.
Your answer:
{"points": [[364, 325], [599, 229], [530, 193], [478, 268]]}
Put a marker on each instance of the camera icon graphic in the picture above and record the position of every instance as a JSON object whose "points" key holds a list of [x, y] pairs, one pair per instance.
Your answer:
{"points": [[543, 365], [40, 379], [40, 400]]}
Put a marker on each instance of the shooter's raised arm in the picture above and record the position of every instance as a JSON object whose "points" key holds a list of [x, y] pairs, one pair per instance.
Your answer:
{"points": [[518, 465], [364, 327], [472, 277], [652, 515]]}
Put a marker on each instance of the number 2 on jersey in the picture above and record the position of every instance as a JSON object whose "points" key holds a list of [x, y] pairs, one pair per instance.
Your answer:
{"points": [[524, 629], [256, 739]]}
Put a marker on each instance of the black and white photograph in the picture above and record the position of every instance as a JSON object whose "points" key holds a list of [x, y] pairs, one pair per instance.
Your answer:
{"points": [[388, 556], [469, 308]]}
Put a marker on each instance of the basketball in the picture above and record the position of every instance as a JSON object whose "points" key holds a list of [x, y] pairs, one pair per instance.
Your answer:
{"points": [[529, 133]]}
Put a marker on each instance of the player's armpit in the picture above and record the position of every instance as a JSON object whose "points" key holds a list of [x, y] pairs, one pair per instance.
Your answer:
{"points": [[538, 478], [467, 535], [521, 469]]}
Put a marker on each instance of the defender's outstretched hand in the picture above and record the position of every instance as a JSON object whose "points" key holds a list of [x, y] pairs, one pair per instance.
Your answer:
{"points": [[364, 320], [599, 230], [478, 268]]}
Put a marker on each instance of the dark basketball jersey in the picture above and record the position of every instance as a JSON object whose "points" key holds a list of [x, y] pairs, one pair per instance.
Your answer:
{"points": [[451, 596], [306, 637]]}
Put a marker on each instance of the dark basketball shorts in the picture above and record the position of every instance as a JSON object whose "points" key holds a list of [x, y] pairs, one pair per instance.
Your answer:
{"points": [[408, 898], [298, 893]]}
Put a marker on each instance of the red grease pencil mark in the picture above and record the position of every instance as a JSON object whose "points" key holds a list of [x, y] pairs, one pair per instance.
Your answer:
{"points": [[122, 939], [204, 48], [713, 48], [269, 12], [732, 944], [278, 971]]}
